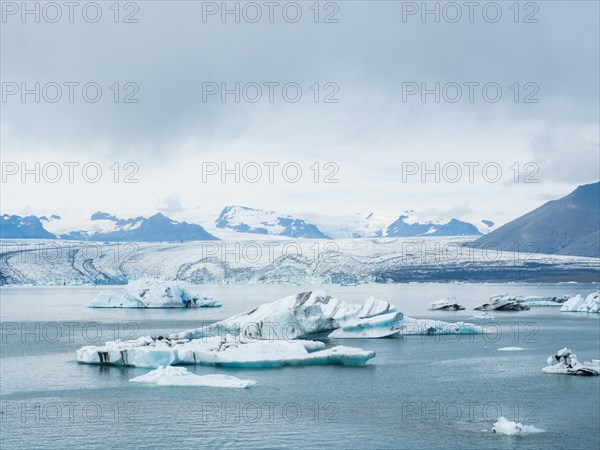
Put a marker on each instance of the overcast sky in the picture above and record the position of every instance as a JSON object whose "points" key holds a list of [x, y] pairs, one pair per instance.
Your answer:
{"points": [[368, 135]]}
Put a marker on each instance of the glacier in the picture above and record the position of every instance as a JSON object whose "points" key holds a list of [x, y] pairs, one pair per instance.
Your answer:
{"points": [[147, 293], [565, 362], [278, 260], [591, 304], [180, 376]]}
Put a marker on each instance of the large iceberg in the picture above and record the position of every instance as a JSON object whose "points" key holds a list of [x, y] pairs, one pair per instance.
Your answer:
{"points": [[284, 332], [147, 293], [316, 315], [591, 304], [218, 351], [308, 315], [180, 376], [565, 362]]}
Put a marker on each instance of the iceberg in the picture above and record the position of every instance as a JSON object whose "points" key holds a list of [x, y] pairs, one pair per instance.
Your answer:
{"points": [[147, 293], [152, 352], [591, 304], [503, 302], [534, 300], [288, 331], [565, 362], [411, 326], [510, 428], [180, 376], [446, 304], [308, 315]]}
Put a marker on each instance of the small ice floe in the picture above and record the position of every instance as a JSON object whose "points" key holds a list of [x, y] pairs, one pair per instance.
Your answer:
{"points": [[484, 315], [180, 376], [565, 362], [591, 304], [510, 428], [502, 302], [510, 349], [446, 304], [534, 300], [148, 293]]}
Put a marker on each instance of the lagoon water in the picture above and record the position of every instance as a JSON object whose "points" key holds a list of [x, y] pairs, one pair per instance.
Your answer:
{"points": [[418, 392]]}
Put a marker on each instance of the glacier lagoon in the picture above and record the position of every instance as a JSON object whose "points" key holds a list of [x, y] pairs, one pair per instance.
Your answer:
{"points": [[418, 392]]}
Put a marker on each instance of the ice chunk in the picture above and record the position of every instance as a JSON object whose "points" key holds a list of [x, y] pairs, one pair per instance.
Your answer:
{"points": [[484, 315], [446, 304], [147, 293], [565, 362], [510, 428], [180, 376], [534, 300], [502, 302], [510, 349], [229, 352], [307, 315], [410, 326], [591, 304]]}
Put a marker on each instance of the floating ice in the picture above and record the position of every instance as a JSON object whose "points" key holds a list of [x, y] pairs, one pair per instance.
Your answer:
{"points": [[215, 350], [446, 304], [275, 334], [510, 428], [307, 315], [503, 302], [510, 349], [147, 293], [534, 300], [565, 362], [484, 315], [180, 376], [591, 304]]}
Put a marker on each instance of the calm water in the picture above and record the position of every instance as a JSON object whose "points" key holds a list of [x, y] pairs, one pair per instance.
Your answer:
{"points": [[418, 392]]}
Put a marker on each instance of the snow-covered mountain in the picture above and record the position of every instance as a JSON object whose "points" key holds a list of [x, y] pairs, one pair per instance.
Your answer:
{"points": [[28, 227], [406, 224], [242, 219], [237, 222], [410, 225], [257, 221], [102, 226]]}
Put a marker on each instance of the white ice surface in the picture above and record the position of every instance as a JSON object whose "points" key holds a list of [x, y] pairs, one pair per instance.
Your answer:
{"points": [[565, 362], [180, 376], [510, 428], [149, 293], [591, 304], [228, 352]]}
